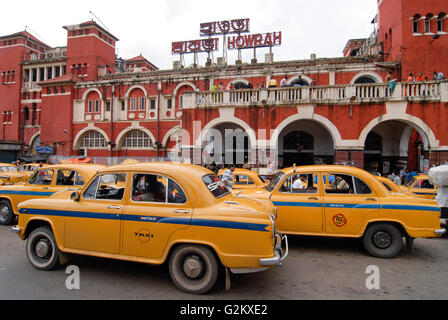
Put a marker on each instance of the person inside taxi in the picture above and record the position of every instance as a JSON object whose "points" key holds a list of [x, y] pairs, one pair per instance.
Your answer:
{"points": [[149, 189], [299, 183]]}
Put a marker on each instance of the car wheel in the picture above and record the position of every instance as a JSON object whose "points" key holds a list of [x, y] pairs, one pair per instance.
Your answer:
{"points": [[6, 214], [383, 240], [42, 250], [193, 269]]}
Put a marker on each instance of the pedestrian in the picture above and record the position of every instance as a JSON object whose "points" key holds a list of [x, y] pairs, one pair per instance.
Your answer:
{"points": [[420, 77], [389, 76], [283, 82], [227, 176], [272, 83], [410, 78], [221, 86]]}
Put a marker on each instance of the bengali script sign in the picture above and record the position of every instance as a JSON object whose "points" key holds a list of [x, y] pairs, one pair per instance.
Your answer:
{"points": [[224, 27], [192, 46], [260, 40]]}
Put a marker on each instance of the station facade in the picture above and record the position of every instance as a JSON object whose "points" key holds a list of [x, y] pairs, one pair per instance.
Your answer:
{"points": [[83, 101]]}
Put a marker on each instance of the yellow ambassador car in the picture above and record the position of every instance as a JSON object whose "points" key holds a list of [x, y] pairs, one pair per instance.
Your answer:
{"points": [[163, 212], [9, 173], [244, 179], [354, 205], [42, 184], [421, 187]]}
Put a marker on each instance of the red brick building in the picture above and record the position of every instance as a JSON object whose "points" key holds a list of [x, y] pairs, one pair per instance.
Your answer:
{"points": [[81, 100]]}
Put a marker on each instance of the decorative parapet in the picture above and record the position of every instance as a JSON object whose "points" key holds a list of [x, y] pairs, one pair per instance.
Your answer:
{"points": [[432, 91]]}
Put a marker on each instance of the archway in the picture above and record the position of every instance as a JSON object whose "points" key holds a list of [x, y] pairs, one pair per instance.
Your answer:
{"points": [[226, 143], [392, 145], [305, 142]]}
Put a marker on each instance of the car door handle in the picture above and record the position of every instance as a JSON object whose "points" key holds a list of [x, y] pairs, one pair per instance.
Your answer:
{"points": [[313, 198], [370, 199], [114, 207], [182, 211]]}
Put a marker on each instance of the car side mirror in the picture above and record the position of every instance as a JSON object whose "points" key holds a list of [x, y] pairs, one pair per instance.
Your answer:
{"points": [[75, 196]]}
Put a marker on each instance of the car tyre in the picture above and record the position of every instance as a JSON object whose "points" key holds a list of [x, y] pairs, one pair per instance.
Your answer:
{"points": [[193, 269], [7, 216], [42, 250], [383, 240]]}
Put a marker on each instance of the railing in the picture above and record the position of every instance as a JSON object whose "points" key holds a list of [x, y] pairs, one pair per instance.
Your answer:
{"points": [[336, 94]]}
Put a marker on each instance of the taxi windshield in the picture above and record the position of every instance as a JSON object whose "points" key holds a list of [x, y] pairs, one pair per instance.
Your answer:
{"points": [[278, 177], [410, 182], [8, 169], [215, 186]]}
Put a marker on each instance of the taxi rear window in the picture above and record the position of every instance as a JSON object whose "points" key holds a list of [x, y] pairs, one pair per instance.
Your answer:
{"points": [[215, 186]]}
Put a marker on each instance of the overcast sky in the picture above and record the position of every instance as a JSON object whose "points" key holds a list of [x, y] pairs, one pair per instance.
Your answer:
{"points": [[149, 27]]}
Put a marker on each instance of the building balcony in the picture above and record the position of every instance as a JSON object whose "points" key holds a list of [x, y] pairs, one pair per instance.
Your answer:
{"points": [[432, 91]]}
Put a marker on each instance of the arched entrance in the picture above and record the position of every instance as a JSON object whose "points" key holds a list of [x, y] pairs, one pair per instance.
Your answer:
{"points": [[226, 143], [394, 144], [305, 142]]}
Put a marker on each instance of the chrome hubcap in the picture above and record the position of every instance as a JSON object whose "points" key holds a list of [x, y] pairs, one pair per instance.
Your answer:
{"points": [[43, 248], [4, 213], [193, 267], [382, 239]]}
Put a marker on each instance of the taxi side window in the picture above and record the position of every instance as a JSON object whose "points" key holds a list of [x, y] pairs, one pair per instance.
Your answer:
{"points": [[347, 184], [42, 177], [300, 183], [361, 187], [155, 188], [69, 178], [108, 186], [242, 179]]}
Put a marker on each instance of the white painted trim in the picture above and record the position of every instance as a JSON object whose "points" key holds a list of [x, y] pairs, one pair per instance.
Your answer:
{"points": [[134, 126], [84, 96], [227, 118], [423, 129], [33, 137], [169, 133], [80, 135], [327, 124], [367, 74], [184, 83]]}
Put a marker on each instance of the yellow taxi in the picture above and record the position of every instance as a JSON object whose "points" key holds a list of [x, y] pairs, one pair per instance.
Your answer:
{"points": [[42, 184], [355, 205], [244, 179], [28, 169], [164, 212], [421, 187], [389, 184], [9, 173]]}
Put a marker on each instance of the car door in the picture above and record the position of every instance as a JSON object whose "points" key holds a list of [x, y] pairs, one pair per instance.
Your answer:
{"points": [[157, 208], [39, 185], [93, 223], [299, 210], [347, 203]]}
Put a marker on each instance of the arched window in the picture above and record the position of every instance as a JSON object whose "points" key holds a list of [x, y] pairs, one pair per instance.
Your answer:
{"points": [[365, 79], [440, 18], [93, 139], [415, 22], [137, 139], [428, 18]]}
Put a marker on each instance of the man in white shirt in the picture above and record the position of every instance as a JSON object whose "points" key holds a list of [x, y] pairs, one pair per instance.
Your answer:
{"points": [[298, 184], [227, 176]]}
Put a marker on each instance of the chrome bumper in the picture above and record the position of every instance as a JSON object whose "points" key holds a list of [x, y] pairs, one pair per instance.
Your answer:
{"points": [[16, 229], [440, 232], [281, 252]]}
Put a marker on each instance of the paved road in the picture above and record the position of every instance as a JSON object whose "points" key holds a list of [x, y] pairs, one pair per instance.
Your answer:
{"points": [[315, 269]]}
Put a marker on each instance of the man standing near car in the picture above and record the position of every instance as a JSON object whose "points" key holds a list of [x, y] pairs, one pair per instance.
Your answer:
{"points": [[227, 176]]}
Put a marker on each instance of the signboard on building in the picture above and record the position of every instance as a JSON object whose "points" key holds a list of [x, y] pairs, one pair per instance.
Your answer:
{"points": [[194, 46], [224, 27], [44, 149], [260, 40]]}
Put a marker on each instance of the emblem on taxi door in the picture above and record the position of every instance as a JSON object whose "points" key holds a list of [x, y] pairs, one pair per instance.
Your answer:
{"points": [[144, 235], [339, 220]]}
